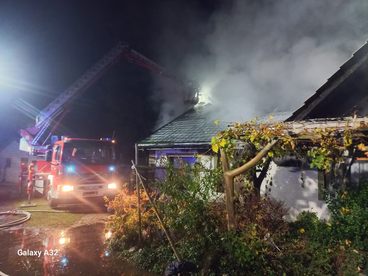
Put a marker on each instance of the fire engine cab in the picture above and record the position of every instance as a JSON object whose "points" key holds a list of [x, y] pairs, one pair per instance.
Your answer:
{"points": [[82, 170]]}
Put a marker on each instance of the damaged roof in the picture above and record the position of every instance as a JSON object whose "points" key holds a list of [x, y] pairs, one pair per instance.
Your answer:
{"points": [[194, 127], [344, 93]]}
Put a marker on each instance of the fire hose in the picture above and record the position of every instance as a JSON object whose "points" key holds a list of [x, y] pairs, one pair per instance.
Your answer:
{"points": [[24, 217]]}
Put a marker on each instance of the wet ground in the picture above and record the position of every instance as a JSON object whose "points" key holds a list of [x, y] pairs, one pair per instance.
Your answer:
{"points": [[78, 250], [70, 243]]}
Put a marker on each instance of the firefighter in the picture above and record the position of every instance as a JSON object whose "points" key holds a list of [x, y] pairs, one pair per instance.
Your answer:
{"points": [[30, 184]]}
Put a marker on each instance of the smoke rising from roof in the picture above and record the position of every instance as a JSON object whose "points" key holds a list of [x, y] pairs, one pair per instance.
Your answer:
{"points": [[269, 56]]}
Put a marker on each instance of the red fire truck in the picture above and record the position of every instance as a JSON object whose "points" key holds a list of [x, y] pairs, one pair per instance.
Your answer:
{"points": [[82, 170]]}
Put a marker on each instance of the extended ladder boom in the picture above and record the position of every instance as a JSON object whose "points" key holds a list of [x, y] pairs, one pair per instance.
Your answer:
{"points": [[53, 113], [80, 85]]}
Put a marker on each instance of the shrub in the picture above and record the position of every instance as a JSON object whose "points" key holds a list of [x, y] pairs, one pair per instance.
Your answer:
{"points": [[263, 243], [266, 214], [349, 217], [309, 226], [183, 201], [125, 222]]}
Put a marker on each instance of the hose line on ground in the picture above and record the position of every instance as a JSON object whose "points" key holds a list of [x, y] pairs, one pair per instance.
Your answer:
{"points": [[47, 211], [25, 216]]}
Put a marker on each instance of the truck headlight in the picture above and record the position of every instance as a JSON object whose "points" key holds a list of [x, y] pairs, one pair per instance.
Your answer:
{"points": [[67, 188], [112, 185]]}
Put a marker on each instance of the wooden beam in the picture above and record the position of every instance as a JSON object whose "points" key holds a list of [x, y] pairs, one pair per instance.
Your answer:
{"points": [[229, 192], [305, 128], [229, 179], [253, 162]]}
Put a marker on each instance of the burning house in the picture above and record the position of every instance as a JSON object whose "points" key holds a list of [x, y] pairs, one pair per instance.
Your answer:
{"points": [[185, 139], [188, 139]]}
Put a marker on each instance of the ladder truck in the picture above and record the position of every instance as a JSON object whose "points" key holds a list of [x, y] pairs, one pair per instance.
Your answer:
{"points": [[69, 172]]}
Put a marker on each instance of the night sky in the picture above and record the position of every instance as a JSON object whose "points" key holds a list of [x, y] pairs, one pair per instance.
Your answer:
{"points": [[46, 45]]}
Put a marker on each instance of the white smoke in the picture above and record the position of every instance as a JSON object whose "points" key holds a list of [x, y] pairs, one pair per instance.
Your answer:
{"points": [[270, 56]]}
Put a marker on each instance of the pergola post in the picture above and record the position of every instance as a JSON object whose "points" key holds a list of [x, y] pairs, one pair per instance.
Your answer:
{"points": [[229, 179]]}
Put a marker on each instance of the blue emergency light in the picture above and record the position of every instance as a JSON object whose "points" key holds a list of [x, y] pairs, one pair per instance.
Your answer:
{"points": [[70, 169]]}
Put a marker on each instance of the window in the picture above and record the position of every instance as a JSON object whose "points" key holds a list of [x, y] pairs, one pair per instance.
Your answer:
{"points": [[180, 161], [89, 152], [57, 152]]}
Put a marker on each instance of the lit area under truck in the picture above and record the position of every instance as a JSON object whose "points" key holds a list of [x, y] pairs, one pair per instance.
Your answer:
{"points": [[82, 170]]}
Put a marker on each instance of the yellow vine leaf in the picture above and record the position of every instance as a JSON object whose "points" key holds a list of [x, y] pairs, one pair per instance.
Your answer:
{"points": [[223, 143], [215, 148], [361, 147]]}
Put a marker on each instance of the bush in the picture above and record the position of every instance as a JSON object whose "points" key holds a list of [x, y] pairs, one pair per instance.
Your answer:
{"points": [[266, 214], [183, 201], [315, 251], [309, 226], [263, 243], [125, 222], [349, 217]]}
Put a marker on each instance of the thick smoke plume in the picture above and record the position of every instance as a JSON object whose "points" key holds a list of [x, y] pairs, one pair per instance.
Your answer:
{"points": [[269, 56]]}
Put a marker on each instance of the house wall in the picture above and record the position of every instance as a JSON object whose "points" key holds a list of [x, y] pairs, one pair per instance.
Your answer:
{"points": [[297, 188], [11, 152]]}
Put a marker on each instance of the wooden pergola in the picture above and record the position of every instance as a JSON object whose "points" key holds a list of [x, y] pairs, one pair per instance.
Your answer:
{"points": [[300, 130]]}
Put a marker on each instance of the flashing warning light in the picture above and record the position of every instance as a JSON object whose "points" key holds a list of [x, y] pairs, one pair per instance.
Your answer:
{"points": [[105, 139], [70, 169], [112, 168], [64, 261]]}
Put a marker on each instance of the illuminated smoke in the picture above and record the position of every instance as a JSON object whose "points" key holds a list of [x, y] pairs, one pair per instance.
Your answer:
{"points": [[270, 56]]}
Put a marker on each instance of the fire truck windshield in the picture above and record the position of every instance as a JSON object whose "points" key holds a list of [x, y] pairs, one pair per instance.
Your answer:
{"points": [[89, 152]]}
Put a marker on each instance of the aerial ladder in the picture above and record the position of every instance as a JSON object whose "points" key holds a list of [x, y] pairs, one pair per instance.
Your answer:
{"points": [[34, 139]]}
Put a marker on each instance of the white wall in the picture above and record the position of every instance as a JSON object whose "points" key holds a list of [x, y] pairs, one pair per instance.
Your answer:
{"points": [[297, 188], [359, 172], [11, 151], [287, 185]]}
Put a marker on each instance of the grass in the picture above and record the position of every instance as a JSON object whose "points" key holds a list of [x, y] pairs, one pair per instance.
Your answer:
{"points": [[48, 219]]}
